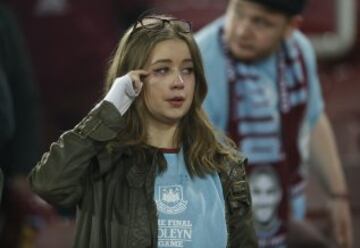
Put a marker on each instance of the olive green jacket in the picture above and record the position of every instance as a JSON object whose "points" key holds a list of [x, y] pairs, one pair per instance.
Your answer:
{"points": [[113, 189]]}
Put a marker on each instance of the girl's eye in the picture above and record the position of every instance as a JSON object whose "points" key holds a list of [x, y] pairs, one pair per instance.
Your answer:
{"points": [[161, 71], [188, 70]]}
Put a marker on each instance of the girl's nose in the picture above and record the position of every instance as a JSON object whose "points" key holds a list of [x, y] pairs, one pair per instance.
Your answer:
{"points": [[179, 81], [179, 77]]}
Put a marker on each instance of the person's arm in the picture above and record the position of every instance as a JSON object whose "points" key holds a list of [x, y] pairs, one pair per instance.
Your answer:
{"points": [[23, 148], [60, 175], [62, 172], [324, 156]]}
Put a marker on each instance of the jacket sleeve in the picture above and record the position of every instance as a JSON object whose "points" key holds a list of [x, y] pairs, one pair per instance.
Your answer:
{"points": [[19, 100], [242, 232], [59, 176]]}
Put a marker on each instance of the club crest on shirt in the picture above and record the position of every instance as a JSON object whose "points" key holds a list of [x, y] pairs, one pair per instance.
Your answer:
{"points": [[171, 200]]}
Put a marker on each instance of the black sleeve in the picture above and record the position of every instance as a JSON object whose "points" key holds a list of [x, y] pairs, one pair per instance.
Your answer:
{"points": [[22, 150]]}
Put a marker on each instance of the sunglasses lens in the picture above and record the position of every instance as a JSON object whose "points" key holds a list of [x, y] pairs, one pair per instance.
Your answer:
{"points": [[152, 23], [184, 26]]}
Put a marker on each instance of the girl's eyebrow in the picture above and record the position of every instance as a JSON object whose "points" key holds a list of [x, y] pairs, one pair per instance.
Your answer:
{"points": [[161, 61], [169, 61]]}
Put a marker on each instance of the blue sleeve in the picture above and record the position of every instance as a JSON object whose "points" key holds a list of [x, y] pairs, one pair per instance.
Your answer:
{"points": [[216, 101], [315, 104]]}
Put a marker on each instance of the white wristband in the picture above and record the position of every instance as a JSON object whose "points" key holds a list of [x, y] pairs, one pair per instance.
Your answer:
{"points": [[122, 93]]}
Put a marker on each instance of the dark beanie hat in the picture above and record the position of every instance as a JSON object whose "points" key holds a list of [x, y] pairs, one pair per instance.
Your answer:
{"points": [[291, 7]]}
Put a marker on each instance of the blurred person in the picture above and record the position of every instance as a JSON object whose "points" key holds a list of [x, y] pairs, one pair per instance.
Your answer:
{"points": [[264, 92], [19, 128], [69, 43], [145, 167]]}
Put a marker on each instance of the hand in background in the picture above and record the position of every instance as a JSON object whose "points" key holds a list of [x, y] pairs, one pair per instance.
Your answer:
{"points": [[341, 222]]}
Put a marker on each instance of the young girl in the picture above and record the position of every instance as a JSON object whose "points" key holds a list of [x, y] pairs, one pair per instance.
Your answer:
{"points": [[145, 168]]}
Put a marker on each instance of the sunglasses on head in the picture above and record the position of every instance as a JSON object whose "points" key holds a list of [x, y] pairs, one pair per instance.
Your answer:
{"points": [[157, 23]]}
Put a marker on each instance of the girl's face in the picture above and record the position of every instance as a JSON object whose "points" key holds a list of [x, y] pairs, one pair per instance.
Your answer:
{"points": [[169, 87]]}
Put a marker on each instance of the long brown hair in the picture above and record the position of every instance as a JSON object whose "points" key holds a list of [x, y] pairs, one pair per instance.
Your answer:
{"points": [[204, 149]]}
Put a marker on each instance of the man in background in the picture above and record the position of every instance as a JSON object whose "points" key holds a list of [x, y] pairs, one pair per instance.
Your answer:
{"points": [[264, 92]]}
